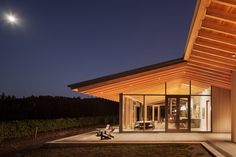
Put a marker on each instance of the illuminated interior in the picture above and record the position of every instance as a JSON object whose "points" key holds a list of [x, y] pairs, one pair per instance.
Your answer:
{"points": [[161, 97], [185, 107]]}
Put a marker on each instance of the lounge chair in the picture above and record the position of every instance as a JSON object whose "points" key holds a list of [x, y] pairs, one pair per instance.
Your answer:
{"points": [[99, 131], [105, 133]]}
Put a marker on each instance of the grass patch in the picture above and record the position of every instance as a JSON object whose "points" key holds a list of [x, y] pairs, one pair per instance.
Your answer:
{"points": [[121, 150]]}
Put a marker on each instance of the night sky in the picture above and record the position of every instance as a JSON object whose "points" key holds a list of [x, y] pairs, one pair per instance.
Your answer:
{"points": [[59, 42]]}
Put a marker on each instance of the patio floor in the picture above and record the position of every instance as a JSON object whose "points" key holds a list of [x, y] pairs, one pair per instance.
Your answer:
{"points": [[217, 141]]}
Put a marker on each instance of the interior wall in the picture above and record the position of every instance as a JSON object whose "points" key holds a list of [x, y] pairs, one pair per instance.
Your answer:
{"points": [[221, 112]]}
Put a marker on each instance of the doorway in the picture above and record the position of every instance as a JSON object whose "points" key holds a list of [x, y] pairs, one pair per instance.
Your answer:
{"points": [[177, 113]]}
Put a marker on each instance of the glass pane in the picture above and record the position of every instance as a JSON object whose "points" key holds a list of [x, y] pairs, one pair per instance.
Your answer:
{"points": [[154, 113], [132, 113], [200, 88], [172, 113], [179, 87], [155, 88], [200, 113], [183, 113]]}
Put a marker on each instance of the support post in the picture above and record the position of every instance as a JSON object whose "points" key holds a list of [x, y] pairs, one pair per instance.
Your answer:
{"points": [[233, 107], [153, 112], [120, 112], [159, 113]]}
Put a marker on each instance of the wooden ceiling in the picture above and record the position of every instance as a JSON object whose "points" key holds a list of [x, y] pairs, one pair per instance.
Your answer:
{"points": [[209, 58], [176, 75], [211, 45]]}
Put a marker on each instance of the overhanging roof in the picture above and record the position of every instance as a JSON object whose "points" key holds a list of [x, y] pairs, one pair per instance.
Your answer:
{"points": [[141, 80], [126, 74], [211, 42], [208, 57]]}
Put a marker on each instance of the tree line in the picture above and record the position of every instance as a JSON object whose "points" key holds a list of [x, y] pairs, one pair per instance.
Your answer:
{"points": [[51, 107]]}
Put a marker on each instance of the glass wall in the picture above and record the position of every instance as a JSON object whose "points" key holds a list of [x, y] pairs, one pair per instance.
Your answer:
{"points": [[200, 107], [181, 87], [143, 113], [133, 112], [186, 103], [154, 113]]}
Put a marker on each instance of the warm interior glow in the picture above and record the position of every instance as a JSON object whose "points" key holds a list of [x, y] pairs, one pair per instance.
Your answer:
{"points": [[75, 90]]}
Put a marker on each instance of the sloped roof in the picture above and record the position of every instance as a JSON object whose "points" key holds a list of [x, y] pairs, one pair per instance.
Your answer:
{"points": [[209, 57], [211, 43]]}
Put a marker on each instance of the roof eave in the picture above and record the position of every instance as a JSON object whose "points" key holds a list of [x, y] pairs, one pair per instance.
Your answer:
{"points": [[126, 73]]}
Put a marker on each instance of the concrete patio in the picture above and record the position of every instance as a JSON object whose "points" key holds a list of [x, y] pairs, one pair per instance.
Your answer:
{"points": [[218, 143]]}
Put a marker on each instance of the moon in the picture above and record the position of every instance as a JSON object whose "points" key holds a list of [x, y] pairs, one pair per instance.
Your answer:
{"points": [[11, 18]]}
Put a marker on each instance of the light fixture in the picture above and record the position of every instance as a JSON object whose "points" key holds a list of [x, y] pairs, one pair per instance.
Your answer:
{"points": [[182, 108], [75, 90], [233, 55]]}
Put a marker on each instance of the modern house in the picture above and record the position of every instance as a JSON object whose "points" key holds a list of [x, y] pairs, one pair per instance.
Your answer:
{"points": [[196, 93]]}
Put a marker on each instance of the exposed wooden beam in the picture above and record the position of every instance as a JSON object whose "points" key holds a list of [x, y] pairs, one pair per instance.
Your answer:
{"points": [[152, 77], [144, 84], [216, 59], [134, 76], [209, 67], [212, 82], [219, 15], [199, 14], [229, 3], [219, 27], [207, 81], [213, 72], [219, 37], [215, 45], [208, 75], [201, 75], [155, 75], [217, 54], [212, 62]]}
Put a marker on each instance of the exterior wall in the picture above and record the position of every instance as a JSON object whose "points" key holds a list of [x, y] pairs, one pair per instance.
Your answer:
{"points": [[221, 110], [233, 107]]}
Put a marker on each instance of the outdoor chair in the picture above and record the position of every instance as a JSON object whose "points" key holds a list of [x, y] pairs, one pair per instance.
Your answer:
{"points": [[107, 134], [99, 131]]}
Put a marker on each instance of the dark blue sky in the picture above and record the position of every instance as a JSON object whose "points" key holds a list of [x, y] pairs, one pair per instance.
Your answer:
{"points": [[60, 42]]}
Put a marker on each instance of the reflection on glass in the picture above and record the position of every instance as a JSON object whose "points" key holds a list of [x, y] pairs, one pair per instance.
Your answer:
{"points": [[172, 113], [200, 113], [147, 112], [132, 113], [200, 88], [178, 87], [154, 114], [183, 113]]}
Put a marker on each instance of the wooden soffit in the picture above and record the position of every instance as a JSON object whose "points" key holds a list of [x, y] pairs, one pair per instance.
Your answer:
{"points": [[211, 44], [209, 58]]}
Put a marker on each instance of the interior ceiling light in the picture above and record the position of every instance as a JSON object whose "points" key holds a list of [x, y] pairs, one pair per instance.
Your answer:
{"points": [[233, 55]]}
